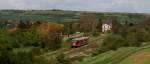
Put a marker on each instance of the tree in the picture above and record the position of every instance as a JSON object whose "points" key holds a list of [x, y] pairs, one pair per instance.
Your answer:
{"points": [[7, 39], [87, 22], [24, 24], [113, 42], [28, 37], [136, 36], [50, 33], [7, 56], [69, 28]]}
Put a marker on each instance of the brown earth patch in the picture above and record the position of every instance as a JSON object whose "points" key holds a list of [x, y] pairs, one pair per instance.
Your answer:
{"points": [[139, 57]]}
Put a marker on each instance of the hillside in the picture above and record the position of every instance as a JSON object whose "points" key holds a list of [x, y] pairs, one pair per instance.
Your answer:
{"points": [[141, 57], [64, 16], [117, 57]]}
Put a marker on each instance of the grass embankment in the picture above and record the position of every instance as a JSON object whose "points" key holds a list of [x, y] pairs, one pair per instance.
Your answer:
{"points": [[141, 57], [112, 57], [25, 49]]}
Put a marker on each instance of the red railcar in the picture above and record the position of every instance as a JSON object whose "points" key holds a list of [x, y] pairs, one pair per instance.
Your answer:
{"points": [[12, 30], [77, 42]]}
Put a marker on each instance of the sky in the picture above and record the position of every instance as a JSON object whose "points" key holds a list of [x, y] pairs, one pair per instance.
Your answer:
{"points": [[79, 5]]}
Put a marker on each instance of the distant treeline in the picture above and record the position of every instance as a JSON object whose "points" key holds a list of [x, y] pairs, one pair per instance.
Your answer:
{"points": [[64, 16]]}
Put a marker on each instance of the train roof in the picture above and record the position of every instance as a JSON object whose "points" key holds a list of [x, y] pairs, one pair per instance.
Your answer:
{"points": [[81, 38]]}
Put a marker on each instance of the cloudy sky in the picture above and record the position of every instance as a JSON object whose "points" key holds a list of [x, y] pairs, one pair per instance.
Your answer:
{"points": [[83, 5]]}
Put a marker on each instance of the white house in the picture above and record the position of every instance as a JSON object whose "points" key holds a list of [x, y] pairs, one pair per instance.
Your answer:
{"points": [[106, 25]]}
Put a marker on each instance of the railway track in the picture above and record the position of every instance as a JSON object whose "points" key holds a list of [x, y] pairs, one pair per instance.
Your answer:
{"points": [[76, 51], [92, 45]]}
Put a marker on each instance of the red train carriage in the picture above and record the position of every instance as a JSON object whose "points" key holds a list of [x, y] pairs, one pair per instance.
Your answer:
{"points": [[77, 42]]}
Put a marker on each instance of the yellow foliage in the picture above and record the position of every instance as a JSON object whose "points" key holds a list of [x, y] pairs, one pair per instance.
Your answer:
{"points": [[47, 29]]}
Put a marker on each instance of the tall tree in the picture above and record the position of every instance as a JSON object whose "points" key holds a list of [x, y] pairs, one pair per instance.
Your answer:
{"points": [[87, 22], [51, 35]]}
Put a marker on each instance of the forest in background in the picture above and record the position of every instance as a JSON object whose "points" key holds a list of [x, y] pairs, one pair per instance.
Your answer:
{"points": [[64, 16], [29, 41]]}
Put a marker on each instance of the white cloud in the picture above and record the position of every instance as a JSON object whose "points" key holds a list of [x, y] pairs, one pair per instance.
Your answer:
{"points": [[89, 5]]}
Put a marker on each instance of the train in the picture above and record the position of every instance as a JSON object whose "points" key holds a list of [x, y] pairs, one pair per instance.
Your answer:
{"points": [[78, 42]]}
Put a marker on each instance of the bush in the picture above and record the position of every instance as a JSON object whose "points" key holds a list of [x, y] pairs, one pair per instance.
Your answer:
{"points": [[37, 51], [61, 58], [95, 34], [9, 57], [28, 38], [112, 42], [7, 40], [22, 38], [136, 38], [95, 53], [132, 40]]}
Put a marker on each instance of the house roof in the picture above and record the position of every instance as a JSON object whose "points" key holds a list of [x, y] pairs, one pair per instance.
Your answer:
{"points": [[107, 21]]}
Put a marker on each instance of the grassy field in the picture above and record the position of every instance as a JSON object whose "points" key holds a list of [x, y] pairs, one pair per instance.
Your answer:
{"points": [[141, 57], [25, 49], [115, 57]]}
